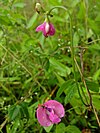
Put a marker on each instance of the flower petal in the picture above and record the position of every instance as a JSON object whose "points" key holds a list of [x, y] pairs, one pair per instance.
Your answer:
{"points": [[43, 117], [54, 118], [46, 28], [56, 106], [40, 27], [51, 30]]}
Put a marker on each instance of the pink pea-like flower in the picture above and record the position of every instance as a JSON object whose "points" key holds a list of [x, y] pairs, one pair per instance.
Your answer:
{"points": [[46, 28], [50, 113]]}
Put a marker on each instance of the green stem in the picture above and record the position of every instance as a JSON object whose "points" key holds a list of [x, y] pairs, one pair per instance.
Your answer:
{"points": [[72, 48], [57, 7], [85, 18]]}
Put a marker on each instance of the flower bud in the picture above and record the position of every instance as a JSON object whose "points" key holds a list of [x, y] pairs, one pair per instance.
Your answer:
{"points": [[38, 7]]}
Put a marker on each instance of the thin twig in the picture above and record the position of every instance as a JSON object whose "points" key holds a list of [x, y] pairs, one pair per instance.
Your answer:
{"points": [[3, 59], [3, 124], [52, 92], [93, 41], [96, 115], [81, 59]]}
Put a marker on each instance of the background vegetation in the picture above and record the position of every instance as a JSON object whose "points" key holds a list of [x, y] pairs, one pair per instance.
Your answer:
{"points": [[65, 67]]}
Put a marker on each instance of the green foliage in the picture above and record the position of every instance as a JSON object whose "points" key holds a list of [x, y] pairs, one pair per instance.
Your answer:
{"points": [[93, 86], [13, 112], [47, 129], [72, 129], [32, 20], [60, 128], [59, 68], [32, 66], [19, 4]]}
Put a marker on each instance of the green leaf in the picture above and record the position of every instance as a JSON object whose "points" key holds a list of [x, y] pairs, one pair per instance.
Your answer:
{"points": [[70, 92], [60, 128], [63, 87], [93, 25], [75, 39], [32, 21], [92, 86], [24, 109], [74, 2], [96, 101], [13, 112], [95, 47], [81, 12], [8, 129], [10, 79], [60, 68], [77, 104], [96, 75], [47, 129], [15, 126], [19, 4], [27, 82], [72, 129], [60, 79], [53, 2], [4, 20]]}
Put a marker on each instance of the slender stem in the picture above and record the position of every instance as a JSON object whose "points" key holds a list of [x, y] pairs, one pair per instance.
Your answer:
{"points": [[96, 115], [86, 16], [89, 94], [81, 59], [62, 7], [86, 98], [52, 92], [57, 7], [3, 124], [72, 48], [87, 105], [82, 78]]}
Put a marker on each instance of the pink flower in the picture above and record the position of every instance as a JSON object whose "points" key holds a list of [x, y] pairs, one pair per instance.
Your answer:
{"points": [[50, 112], [47, 29]]}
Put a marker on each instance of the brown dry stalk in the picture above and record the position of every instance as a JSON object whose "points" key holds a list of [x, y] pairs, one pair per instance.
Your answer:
{"points": [[88, 92], [3, 124], [52, 92]]}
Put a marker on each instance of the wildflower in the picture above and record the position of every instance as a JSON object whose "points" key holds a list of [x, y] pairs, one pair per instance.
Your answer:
{"points": [[50, 113], [47, 28]]}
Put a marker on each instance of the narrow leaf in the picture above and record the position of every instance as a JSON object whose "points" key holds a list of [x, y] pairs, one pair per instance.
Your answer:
{"points": [[70, 92], [13, 112], [61, 69], [32, 21], [47, 129], [19, 4], [72, 129], [63, 87], [92, 86]]}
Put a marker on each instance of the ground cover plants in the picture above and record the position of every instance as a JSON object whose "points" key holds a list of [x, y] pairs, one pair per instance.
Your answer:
{"points": [[49, 66]]}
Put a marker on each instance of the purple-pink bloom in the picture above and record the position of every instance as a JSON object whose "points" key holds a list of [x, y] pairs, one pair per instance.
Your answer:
{"points": [[50, 113], [47, 29]]}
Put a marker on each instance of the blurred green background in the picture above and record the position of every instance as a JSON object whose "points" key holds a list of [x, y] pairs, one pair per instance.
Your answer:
{"points": [[33, 68]]}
